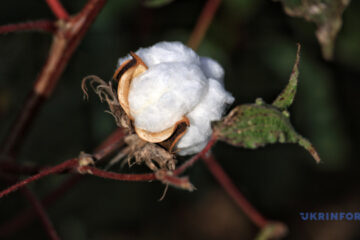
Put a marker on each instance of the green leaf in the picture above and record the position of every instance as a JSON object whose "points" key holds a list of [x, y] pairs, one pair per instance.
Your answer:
{"points": [[255, 125], [156, 3], [326, 14], [286, 97]]}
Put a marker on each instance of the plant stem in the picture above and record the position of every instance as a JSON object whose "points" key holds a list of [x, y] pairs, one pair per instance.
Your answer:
{"points": [[117, 176], [57, 9], [69, 32], [56, 169], [113, 142], [192, 160], [40, 25], [234, 193], [66, 39], [39, 209], [16, 169], [26, 216], [203, 23]]}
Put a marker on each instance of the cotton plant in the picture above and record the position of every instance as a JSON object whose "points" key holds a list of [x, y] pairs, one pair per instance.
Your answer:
{"points": [[167, 96], [171, 101]]}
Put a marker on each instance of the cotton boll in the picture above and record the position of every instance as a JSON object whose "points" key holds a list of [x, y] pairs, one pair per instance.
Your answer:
{"points": [[209, 109], [168, 52], [178, 83], [166, 92], [193, 149], [165, 52], [212, 69]]}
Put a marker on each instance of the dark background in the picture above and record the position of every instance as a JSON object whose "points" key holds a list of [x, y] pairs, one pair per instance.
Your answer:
{"points": [[255, 41]]}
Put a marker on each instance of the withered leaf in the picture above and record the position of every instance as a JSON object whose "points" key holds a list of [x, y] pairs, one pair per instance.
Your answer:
{"points": [[326, 14]]}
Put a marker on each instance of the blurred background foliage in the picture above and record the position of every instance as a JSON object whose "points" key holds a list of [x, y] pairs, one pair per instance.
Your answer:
{"points": [[255, 41]]}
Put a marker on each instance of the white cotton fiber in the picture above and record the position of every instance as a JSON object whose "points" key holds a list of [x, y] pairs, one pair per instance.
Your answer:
{"points": [[212, 69], [166, 92], [165, 52], [209, 109], [178, 83]]}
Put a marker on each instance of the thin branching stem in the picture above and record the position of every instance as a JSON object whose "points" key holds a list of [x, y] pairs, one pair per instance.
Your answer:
{"points": [[203, 23], [224, 180], [26, 216], [56, 169], [118, 176], [75, 166], [110, 144], [57, 8], [13, 168], [66, 39], [40, 25], [40, 211], [69, 32], [192, 160]]}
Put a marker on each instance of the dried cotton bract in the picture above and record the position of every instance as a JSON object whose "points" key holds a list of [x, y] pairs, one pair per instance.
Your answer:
{"points": [[171, 84]]}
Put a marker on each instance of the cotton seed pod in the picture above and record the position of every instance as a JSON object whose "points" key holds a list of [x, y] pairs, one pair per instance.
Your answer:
{"points": [[124, 75], [172, 95]]}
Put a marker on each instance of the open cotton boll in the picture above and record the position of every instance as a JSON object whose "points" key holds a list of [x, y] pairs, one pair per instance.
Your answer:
{"points": [[178, 83], [165, 93], [165, 52], [209, 109], [212, 69]]}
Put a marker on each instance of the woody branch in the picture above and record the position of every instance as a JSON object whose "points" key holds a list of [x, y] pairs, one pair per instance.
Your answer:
{"points": [[69, 32]]}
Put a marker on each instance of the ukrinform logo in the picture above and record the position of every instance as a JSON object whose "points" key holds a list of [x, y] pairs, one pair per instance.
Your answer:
{"points": [[330, 216]]}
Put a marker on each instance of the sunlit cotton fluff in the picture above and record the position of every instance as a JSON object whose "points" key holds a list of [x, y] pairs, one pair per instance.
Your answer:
{"points": [[178, 83]]}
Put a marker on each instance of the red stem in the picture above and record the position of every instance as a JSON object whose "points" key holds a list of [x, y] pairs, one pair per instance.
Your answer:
{"points": [[22, 219], [112, 142], [203, 23], [67, 37], [192, 160], [73, 164], [65, 41], [20, 127], [234, 193], [57, 9], [39, 209], [56, 169], [40, 25], [16, 169], [117, 176]]}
